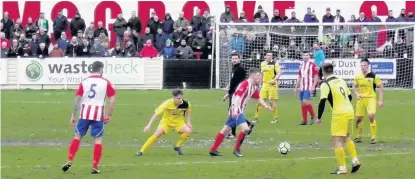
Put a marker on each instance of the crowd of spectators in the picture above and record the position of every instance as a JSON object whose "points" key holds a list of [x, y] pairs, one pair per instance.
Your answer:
{"points": [[174, 39]]}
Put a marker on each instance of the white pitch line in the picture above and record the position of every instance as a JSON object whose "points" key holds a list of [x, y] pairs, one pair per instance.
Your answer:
{"points": [[210, 162]]}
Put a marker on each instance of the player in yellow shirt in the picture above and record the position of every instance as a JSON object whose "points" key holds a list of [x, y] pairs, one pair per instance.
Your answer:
{"points": [[176, 115], [364, 86], [271, 72], [335, 90]]}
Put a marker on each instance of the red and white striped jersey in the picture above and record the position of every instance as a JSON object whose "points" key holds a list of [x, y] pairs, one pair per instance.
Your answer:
{"points": [[244, 91], [307, 72], [93, 91]]}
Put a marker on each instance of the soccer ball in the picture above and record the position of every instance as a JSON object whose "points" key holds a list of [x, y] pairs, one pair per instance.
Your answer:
{"points": [[284, 148]]}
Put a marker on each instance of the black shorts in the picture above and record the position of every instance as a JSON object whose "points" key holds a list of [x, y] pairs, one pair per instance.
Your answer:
{"points": [[320, 74]]}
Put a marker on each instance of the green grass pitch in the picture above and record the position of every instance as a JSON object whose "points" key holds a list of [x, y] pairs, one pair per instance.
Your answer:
{"points": [[35, 134]]}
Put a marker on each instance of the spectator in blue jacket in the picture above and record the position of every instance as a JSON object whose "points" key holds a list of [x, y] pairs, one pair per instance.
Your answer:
{"points": [[328, 17], [160, 40], [307, 16], [277, 17], [63, 42], [238, 43], [263, 18], [167, 24], [390, 17], [169, 52], [375, 17], [401, 17]]}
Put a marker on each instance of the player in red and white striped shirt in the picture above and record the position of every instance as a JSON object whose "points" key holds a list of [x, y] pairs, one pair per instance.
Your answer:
{"points": [[247, 89], [90, 98], [307, 81]]}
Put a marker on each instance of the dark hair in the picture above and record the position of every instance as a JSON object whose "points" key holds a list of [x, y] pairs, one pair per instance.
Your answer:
{"points": [[176, 92], [97, 66], [269, 51], [365, 60], [328, 68], [254, 70], [235, 54]]}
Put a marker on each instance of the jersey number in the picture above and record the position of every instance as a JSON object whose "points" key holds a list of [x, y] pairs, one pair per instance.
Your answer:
{"points": [[92, 91], [343, 92]]}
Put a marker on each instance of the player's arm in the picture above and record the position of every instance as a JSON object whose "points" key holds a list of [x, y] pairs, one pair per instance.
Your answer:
{"points": [[160, 110], [260, 101], [297, 83], [77, 103], [111, 105], [324, 90], [188, 115], [378, 82], [356, 88], [277, 72], [315, 77]]}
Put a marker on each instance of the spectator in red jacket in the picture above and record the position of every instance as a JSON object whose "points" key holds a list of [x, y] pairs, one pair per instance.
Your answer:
{"points": [[3, 39], [149, 50]]}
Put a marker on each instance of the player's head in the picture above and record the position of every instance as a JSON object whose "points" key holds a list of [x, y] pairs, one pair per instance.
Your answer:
{"points": [[328, 69], [97, 67], [255, 75], [306, 55], [364, 65], [235, 58], [268, 56], [177, 96]]}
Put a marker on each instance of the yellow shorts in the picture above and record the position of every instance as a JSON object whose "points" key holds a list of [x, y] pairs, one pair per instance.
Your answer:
{"points": [[269, 92], [167, 124], [341, 125], [365, 105]]}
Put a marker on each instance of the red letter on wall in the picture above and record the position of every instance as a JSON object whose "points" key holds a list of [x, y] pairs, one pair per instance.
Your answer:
{"points": [[71, 9], [99, 15], [31, 9], [248, 7], [410, 5], [144, 11], [189, 7], [382, 10]]}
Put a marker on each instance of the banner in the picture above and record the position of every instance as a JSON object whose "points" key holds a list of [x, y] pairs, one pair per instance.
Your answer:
{"points": [[343, 68], [3, 71], [74, 70]]}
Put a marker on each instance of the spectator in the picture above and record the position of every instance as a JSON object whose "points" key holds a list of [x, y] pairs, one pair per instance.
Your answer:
{"points": [[208, 46], [4, 39], [77, 24], [90, 37], [338, 19], [148, 50], [105, 50], [34, 45], [138, 41], [103, 38], [293, 19], [238, 43], [264, 18], [313, 18], [328, 17], [199, 42], [206, 22], [100, 29], [31, 28], [1, 27], [130, 50], [169, 52], [401, 17], [120, 26], [74, 48], [184, 51], [147, 35], [43, 51], [259, 12], [86, 48], [127, 37], [305, 45], [89, 30], [177, 36], [15, 50], [152, 17], [307, 16], [63, 42], [160, 40], [117, 51], [227, 16], [277, 17], [44, 38], [22, 40], [375, 17], [7, 25], [167, 24], [362, 17], [154, 25], [16, 30], [4, 50], [80, 36], [318, 54], [242, 18], [60, 24], [181, 22], [390, 17], [189, 35], [134, 22], [293, 51], [56, 52], [196, 21], [365, 39], [42, 22], [96, 48], [411, 17], [399, 48]]}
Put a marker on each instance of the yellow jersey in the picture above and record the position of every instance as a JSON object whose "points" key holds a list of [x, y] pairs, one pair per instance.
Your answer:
{"points": [[269, 70], [335, 90], [367, 84], [172, 112]]}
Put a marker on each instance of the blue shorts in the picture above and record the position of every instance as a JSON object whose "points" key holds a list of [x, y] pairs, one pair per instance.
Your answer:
{"points": [[97, 127], [305, 95], [234, 123]]}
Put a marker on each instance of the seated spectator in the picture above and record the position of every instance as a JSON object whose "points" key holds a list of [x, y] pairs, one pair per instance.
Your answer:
{"points": [[169, 52], [130, 50], [4, 50], [16, 30], [90, 38], [86, 48], [34, 45], [56, 52], [147, 35], [22, 40], [208, 46], [148, 50], [184, 51], [44, 37], [167, 24], [96, 48], [189, 35], [63, 42], [154, 25], [177, 36], [104, 50], [26, 51], [80, 36], [15, 50], [43, 52], [199, 42], [4, 39], [160, 40], [117, 51], [74, 49], [103, 38], [137, 40]]}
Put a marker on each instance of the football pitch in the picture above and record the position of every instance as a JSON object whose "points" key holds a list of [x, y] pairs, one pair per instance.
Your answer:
{"points": [[35, 134]]}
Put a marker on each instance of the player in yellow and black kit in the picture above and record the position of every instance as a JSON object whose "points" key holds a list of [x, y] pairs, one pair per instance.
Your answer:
{"points": [[271, 72], [364, 86], [335, 90]]}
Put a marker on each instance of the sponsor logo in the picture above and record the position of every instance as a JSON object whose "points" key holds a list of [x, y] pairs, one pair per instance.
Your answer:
{"points": [[34, 71]]}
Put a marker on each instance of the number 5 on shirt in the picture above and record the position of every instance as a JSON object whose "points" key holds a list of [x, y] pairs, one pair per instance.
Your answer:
{"points": [[92, 91]]}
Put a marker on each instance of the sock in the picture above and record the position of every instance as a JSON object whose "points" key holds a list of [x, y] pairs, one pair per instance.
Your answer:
{"points": [[340, 157], [218, 141], [239, 141], [351, 149], [73, 148], [97, 155], [234, 131], [359, 128], [275, 112], [311, 111], [148, 143], [183, 138], [373, 129], [258, 110], [304, 113]]}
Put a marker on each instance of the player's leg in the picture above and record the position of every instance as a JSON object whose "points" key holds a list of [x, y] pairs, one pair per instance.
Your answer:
{"points": [[161, 130], [244, 129], [273, 97], [233, 134], [371, 111], [338, 133], [263, 94], [97, 131], [309, 106], [360, 112], [185, 132], [220, 136], [81, 128], [251, 127], [350, 146]]}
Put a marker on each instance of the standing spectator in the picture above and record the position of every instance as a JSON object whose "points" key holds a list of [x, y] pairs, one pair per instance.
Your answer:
{"points": [[184, 51], [117, 51], [89, 30], [148, 50], [134, 22], [293, 18], [44, 38], [307, 16], [328, 17], [16, 30], [206, 22], [362, 17], [130, 50], [375, 17], [313, 18], [74, 49], [237, 43], [177, 36], [43, 52], [7, 25], [259, 12], [34, 45], [120, 26], [56, 52], [63, 42], [196, 21], [169, 52], [338, 19], [154, 25], [86, 48], [42, 22], [15, 50], [227, 16], [390, 17], [147, 35], [181, 22], [77, 24], [4, 50], [199, 42], [100, 29], [31, 28], [152, 17], [401, 17], [138, 41], [167, 24], [242, 18], [411, 17], [160, 40], [263, 18], [277, 17], [60, 24], [4, 39], [208, 47]]}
